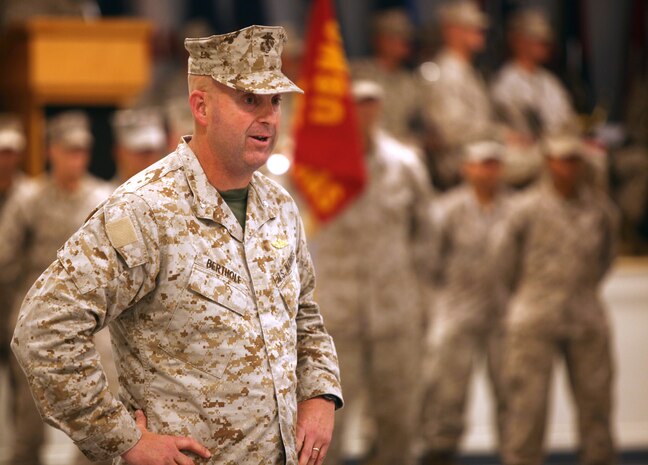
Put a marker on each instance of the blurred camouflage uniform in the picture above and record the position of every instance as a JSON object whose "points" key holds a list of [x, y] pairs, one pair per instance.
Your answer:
{"points": [[458, 107], [458, 103], [12, 144], [215, 332], [533, 102], [37, 219], [140, 140], [554, 253], [370, 262], [468, 312], [402, 97], [402, 87]]}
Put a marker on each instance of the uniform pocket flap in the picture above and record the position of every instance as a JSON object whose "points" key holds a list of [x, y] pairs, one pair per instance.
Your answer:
{"points": [[212, 287]]}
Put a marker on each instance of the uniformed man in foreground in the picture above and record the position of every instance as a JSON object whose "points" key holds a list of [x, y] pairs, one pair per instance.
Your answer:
{"points": [[556, 246], [37, 219], [468, 306], [199, 267], [372, 261]]}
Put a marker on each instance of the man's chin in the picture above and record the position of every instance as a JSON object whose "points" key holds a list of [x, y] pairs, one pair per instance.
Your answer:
{"points": [[256, 160]]}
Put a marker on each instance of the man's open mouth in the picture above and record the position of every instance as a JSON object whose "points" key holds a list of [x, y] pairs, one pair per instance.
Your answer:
{"points": [[261, 138]]}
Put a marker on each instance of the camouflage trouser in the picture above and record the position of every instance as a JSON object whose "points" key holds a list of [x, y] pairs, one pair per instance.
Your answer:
{"points": [[454, 350], [528, 367], [387, 370], [28, 428]]}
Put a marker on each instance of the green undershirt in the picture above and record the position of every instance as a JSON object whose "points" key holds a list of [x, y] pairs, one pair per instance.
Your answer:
{"points": [[236, 199]]}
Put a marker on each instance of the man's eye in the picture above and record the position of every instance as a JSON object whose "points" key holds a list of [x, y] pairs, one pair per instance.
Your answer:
{"points": [[249, 99], [276, 100]]}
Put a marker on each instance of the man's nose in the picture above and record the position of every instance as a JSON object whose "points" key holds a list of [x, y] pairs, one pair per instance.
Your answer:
{"points": [[269, 113]]}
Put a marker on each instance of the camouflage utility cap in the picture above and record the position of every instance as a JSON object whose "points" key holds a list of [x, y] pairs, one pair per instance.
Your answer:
{"points": [[482, 151], [12, 136], [70, 129], [532, 23], [564, 146], [463, 13], [248, 60], [139, 129]]}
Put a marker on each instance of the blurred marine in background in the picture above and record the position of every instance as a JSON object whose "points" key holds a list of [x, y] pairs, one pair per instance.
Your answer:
{"points": [[393, 35], [557, 244], [37, 219], [457, 106], [468, 305], [140, 140], [12, 147], [371, 263]]}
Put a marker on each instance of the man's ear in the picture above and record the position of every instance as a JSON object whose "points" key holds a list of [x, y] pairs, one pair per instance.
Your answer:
{"points": [[198, 104]]}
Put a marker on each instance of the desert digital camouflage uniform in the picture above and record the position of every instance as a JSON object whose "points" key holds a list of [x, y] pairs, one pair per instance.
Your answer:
{"points": [[370, 262], [458, 107], [402, 99], [36, 220], [468, 312], [215, 332], [533, 102], [554, 253]]}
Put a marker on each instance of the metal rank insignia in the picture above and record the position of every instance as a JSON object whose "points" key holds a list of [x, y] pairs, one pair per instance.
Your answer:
{"points": [[279, 243]]}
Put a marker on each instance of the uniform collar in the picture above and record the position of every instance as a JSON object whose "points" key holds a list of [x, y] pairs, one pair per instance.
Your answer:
{"points": [[550, 192], [209, 204]]}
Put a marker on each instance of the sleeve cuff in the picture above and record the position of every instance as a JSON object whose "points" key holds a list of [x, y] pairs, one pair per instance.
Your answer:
{"points": [[333, 398], [326, 384], [107, 444]]}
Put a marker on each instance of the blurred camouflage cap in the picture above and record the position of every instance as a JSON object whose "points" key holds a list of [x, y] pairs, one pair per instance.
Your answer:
{"points": [[463, 13], [395, 22], [532, 23], [363, 89], [139, 129], [564, 146], [71, 129], [12, 135], [248, 60], [295, 46], [482, 151], [179, 116]]}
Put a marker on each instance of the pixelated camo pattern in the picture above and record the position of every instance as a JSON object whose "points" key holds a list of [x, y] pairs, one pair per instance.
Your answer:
{"points": [[215, 332], [248, 59]]}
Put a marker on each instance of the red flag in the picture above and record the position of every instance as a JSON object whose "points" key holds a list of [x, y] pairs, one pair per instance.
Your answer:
{"points": [[329, 156]]}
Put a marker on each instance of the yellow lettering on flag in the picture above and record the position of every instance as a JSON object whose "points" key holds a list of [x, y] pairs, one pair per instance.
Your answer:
{"points": [[330, 83], [320, 188], [329, 156]]}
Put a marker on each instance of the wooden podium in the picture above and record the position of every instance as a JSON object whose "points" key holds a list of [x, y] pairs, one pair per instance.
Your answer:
{"points": [[54, 61]]}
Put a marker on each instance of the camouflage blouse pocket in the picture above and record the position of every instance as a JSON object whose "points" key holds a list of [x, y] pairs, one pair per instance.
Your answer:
{"points": [[289, 289], [209, 323]]}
